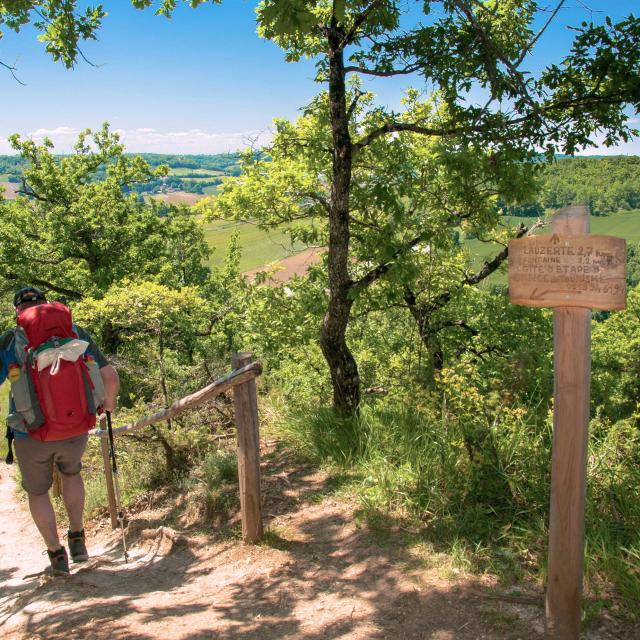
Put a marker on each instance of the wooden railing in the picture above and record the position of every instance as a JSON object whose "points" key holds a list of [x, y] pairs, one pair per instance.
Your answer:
{"points": [[242, 381]]}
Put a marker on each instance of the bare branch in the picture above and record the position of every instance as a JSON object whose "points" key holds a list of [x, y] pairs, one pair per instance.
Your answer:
{"points": [[491, 265], [384, 74], [70, 293], [535, 39], [12, 71], [316, 197], [354, 103], [398, 127]]}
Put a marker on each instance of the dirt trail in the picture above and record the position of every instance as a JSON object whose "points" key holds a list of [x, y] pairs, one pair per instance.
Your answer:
{"points": [[319, 576]]}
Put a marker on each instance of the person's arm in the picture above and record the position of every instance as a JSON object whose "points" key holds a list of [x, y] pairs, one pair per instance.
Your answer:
{"points": [[111, 382], [5, 343]]}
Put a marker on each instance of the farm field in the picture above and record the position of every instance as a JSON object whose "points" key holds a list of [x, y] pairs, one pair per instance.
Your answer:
{"points": [[259, 247], [623, 224], [175, 197], [9, 189], [204, 173]]}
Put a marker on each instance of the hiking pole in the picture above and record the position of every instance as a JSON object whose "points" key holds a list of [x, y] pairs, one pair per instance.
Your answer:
{"points": [[116, 482]]}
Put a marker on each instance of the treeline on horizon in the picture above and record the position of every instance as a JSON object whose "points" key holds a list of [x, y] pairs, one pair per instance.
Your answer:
{"points": [[607, 184], [225, 163]]}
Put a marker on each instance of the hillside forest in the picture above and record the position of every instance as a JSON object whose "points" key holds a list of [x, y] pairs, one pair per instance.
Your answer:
{"points": [[396, 361]]}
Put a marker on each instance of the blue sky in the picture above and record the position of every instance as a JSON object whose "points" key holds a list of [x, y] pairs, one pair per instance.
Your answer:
{"points": [[203, 82]]}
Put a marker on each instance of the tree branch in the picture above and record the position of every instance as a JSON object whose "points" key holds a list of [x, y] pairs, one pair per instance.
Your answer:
{"points": [[358, 22], [384, 267], [12, 71], [384, 74], [535, 39], [398, 127], [70, 293]]}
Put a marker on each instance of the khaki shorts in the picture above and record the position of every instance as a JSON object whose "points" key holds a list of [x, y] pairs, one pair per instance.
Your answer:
{"points": [[36, 460]]}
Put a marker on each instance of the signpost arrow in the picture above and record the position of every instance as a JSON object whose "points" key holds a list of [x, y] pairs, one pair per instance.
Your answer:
{"points": [[535, 295]]}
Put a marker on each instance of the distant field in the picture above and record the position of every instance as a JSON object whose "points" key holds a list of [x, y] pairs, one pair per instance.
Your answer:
{"points": [[175, 197], [259, 247], [10, 189], [181, 171], [624, 224]]}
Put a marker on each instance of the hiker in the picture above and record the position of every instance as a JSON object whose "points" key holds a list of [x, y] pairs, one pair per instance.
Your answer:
{"points": [[60, 381]]}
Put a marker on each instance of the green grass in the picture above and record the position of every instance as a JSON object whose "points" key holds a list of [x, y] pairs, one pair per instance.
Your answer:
{"points": [[410, 474], [259, 247]]}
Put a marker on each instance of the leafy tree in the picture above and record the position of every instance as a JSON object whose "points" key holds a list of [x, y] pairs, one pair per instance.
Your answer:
{"points": [[616, 361], [61, 27], [607, 185], [459, 45], [633, 266], [462, 44], [76, 234]]}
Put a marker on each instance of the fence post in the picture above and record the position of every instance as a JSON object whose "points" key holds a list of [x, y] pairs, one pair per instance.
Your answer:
{"points": [[246, 416], [108, 475]]}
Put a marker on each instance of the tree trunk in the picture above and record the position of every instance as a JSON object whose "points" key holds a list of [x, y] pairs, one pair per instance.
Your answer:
{"points": [[428, 336], [342, 365]]}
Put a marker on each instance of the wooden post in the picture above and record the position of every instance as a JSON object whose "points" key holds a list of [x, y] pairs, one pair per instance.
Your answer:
{"points": [[108, 476], [572, 272], [572, 366], [246, 415]]}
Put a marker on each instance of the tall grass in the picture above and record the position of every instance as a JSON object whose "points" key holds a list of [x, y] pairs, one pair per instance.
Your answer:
{"points": [[413, 466]]}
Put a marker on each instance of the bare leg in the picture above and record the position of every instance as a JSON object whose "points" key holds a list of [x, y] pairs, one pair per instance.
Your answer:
{"points": [[73, 495], [45, 519]]}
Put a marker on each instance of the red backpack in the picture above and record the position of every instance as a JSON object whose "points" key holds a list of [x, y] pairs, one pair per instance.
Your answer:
{"points": [[62, 384]]}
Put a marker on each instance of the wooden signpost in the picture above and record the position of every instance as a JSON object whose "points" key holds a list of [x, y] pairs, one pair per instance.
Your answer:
{"points": [[573, 272]]}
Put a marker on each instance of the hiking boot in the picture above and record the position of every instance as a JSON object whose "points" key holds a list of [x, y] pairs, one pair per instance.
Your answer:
{"points": [[59, 562], [77, 547]]}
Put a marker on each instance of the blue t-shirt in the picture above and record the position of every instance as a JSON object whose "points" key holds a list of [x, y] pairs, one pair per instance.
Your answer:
{"points": [[8, 357]]}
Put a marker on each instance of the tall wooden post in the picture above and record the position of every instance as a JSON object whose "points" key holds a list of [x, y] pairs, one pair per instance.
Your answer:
{"points": [[246, 415], [572, 272], [108, 476], [572, 366]]}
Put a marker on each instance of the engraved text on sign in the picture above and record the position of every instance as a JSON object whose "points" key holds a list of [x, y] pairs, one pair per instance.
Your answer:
{"points": [[568, 271]]}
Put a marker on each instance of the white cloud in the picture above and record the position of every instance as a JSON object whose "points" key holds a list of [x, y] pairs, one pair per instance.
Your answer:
{"points": [[148, 139]]}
